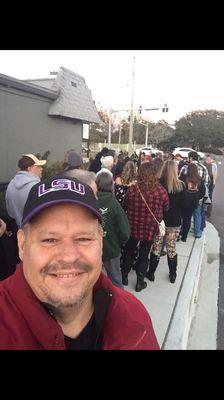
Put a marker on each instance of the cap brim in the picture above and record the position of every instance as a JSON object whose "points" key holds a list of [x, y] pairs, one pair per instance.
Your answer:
{"points": [[40, 163], [40, 208]]}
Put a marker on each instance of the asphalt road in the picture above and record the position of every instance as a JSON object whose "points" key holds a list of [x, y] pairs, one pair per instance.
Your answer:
{"points": [[217, 219]]}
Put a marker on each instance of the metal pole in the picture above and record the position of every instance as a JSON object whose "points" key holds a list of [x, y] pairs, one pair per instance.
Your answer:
{"points": [[130, 144], [119, 140], [109, 132], [146, 135]]}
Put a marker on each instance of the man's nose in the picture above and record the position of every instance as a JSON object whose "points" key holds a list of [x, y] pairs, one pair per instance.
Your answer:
{"points": [[68, 251]]}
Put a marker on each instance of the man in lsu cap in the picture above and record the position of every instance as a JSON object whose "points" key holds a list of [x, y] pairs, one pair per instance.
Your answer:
{"points": [[19, 187], [58, 298]]}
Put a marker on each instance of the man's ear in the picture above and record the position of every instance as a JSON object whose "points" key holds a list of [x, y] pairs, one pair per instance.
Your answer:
{"points": [[21, 243]]}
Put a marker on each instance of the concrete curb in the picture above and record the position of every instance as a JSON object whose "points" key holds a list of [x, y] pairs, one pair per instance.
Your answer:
{"points": [[178, 330]]}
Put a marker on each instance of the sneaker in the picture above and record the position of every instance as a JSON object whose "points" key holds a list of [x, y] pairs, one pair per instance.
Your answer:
{"points": [[163, 253], [197, 237], [183, 240]]}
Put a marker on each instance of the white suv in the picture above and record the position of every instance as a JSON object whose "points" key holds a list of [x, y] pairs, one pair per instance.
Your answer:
{"points": [[183, 151], [148, 151]]}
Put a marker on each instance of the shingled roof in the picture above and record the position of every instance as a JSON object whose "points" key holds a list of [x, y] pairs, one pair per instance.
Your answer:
{"points": [[74, 100]]}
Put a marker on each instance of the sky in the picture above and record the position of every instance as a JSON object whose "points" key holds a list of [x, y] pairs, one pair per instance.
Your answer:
{"points": [[185, 80]]}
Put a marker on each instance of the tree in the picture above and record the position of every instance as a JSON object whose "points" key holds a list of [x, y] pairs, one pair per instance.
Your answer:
{"points": [[200, 130], [99, 132]]}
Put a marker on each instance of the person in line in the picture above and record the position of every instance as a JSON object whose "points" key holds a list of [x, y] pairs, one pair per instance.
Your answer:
{"points": [[212, 171], [128, 178], [115, 225], [74, 161], [199, 212], [18, 188], [172, 218], [118, 167], [95, 164], [141, 159], [158, 163], [194, 193], [143, 225], [107, 163], [9, 256], [58, 298], [84, 176]]}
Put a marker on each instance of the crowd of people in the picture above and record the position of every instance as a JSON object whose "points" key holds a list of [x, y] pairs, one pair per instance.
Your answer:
{"points": [[71, 225]]}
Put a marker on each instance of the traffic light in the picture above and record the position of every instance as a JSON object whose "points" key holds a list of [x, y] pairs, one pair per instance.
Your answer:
{"points": [[165, 108], [140, 109], [129, 118]]}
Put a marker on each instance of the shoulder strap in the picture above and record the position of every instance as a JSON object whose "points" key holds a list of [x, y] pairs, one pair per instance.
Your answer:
{"points": [[147, 206]]}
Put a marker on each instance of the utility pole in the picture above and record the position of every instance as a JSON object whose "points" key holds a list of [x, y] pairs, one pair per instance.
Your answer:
{"points": [[119, 140], [146, 135], [109, 131], [130, 144]]}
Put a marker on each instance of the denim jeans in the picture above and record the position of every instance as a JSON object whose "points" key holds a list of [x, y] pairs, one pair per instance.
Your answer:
{"points": [[197, 221], [113, 269]]}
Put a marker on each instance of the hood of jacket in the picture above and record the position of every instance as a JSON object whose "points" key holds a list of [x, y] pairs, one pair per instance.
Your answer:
{"points": [[23, 178]]}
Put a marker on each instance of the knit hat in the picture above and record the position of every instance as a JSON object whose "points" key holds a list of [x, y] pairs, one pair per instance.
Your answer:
{"points": [[57, 190], [74, 160]]}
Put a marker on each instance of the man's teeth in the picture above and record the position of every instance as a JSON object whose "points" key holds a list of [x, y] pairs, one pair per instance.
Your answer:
{"points": [[66, 275]]}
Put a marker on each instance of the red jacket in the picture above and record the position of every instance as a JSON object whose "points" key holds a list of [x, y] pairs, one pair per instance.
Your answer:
{"points": [[26, 325]]}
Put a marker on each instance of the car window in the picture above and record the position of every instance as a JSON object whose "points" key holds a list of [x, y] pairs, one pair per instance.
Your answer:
{"points": [[184, 149]]}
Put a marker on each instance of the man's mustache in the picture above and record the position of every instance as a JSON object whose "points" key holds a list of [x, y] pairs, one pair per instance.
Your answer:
{"points": [[60, 265]]}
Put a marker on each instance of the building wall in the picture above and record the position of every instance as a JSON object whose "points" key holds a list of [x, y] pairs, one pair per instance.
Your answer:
{"points": [[26, 127]]}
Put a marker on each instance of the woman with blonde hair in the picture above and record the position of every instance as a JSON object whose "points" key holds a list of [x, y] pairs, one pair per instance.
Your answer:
{"points": [[146, 193], [172, 218]]}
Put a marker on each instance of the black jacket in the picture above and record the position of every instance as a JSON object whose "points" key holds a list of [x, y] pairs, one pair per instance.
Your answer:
{"points": [[172, 217], [8, 247]]}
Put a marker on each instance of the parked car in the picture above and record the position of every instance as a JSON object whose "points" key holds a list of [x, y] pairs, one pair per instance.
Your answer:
{"points": [[84, 149], [183, 151], [148, 150]]}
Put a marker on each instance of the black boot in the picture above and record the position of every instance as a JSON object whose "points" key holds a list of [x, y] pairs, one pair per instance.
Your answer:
{"points": [[172, 264], [125, 279], [140, 283], [153, 262]]}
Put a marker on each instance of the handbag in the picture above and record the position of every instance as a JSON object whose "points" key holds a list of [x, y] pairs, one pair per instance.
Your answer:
{"points": [[162, 228]]}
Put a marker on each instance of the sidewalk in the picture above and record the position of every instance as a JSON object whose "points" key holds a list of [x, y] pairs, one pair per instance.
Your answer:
{"points": [[171, 306]]}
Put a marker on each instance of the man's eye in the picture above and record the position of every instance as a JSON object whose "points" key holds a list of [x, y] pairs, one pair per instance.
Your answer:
{"points": [[84, 239], [51, 240]]}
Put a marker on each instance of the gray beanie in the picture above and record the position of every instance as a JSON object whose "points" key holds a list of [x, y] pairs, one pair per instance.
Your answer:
{"points": [[74, 160]]}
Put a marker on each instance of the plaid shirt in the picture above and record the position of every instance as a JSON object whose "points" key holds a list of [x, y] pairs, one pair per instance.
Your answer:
{"points": [[143, 225], [202, 171]]}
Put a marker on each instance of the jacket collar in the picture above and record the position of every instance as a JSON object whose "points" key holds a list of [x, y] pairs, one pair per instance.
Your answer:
{"points": [[44, 326]]}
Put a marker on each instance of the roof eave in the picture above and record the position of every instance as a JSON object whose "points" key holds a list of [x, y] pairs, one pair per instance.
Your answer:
{"points": [[27, 87]]}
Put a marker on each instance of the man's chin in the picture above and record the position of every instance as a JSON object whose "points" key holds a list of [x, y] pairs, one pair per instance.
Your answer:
{"points": [[64, 300]]}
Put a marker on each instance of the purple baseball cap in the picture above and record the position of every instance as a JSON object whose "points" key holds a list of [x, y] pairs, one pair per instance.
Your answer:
{"points": [[57, 190]]}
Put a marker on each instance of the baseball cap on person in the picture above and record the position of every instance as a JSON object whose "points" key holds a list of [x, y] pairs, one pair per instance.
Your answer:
{"points": [[57, 190], [74, 159], [35, 160]]}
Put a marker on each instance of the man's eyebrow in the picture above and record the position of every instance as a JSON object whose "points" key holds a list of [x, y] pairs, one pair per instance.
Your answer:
{"points": [[46, 232]]}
